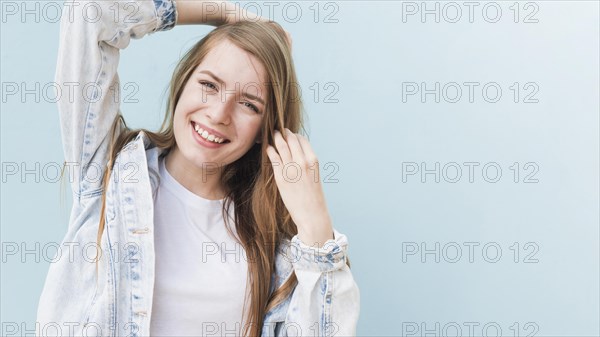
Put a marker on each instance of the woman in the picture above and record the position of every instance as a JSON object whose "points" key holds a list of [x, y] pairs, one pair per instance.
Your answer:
{"points": [[166, 208]]}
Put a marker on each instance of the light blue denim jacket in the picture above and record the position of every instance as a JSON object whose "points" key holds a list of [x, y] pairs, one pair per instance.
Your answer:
{"points": [[73, 302]]}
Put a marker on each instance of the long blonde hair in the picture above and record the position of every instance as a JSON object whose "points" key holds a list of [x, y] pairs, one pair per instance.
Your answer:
{"points": [[261, 218]]}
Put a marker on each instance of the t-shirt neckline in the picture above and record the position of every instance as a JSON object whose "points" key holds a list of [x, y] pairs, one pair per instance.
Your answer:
{"points": [[182, 193]]}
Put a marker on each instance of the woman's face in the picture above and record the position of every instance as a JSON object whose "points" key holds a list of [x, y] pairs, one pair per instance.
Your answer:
{"points": [[232, 110]]}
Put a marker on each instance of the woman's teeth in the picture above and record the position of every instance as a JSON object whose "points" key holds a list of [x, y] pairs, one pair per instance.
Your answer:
{"points": [[207, 135]]}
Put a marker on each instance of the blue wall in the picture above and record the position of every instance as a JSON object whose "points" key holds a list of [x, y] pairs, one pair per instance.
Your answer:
{"points": [[432, 249]]}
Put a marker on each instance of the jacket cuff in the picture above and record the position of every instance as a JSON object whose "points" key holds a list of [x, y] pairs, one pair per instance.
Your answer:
{"points": [[330, 257], [166, 12]]}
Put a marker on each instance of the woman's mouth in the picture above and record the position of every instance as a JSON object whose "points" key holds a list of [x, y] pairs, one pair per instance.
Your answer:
{"points": [[206, 138]]}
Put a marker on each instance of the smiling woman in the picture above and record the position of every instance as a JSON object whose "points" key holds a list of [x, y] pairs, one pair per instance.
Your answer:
{"points": [[200, 187], [219, 106]]}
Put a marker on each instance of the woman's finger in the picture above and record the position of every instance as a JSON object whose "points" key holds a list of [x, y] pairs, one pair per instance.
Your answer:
{"points": [[295, 148], [282, 147], [309, 154]]}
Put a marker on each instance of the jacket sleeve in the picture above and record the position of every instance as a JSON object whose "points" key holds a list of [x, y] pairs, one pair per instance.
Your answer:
{"points": [[326, 300], [92, 33]]}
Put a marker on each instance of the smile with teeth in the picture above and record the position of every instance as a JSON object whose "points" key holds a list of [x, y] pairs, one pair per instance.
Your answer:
{"points": [[204, 134]]}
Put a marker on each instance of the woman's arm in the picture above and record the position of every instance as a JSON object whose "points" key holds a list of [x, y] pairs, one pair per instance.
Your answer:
{"points": [[92, 33], [213, 13]]}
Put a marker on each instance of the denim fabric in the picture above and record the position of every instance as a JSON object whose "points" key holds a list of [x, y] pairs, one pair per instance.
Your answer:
{"points": [[73, 302]]}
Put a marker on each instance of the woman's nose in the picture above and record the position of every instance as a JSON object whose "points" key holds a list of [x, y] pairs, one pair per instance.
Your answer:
{"points": [[221, 111]]}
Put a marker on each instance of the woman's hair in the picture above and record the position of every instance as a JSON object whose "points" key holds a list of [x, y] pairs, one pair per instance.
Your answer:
{"points": [[261, 218]]}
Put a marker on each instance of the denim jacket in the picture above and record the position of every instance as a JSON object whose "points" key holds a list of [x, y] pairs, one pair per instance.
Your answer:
{"points": [[74, 302]]}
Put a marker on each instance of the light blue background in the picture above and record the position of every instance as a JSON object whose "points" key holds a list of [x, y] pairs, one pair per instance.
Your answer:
{"points": [[369, 133]]}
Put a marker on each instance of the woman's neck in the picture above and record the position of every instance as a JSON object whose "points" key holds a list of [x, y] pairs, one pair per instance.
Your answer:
{"points": [[205, 182]]}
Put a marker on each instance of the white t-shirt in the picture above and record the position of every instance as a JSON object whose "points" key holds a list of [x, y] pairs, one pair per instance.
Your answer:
{"points": [[200, 280]]}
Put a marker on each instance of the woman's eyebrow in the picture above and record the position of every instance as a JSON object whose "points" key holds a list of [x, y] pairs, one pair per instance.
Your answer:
{"points": [[255, 98], [208, 72], [218, 79]]}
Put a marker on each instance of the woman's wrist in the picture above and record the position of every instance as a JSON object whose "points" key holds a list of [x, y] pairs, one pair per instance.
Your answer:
{"points": [[201, 12]]}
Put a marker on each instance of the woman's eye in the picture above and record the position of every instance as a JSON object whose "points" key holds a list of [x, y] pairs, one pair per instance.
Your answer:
{"points": [[252, 106], [208, 84]]}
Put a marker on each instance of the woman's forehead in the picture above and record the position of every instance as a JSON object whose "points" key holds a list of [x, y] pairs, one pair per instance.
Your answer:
{"points": [[232, 65]]}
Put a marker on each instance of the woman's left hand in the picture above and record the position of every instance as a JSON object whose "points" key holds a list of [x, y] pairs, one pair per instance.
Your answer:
{"points": [[296, 171]]}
